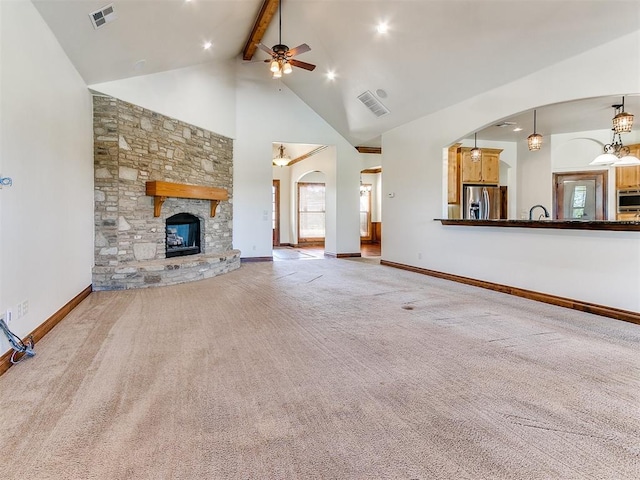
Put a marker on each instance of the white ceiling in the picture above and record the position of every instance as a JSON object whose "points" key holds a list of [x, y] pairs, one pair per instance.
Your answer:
{"points": [[435, 54]]}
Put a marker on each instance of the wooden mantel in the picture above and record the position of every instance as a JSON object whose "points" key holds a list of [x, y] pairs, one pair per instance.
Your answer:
{"points": [[161, 190]]}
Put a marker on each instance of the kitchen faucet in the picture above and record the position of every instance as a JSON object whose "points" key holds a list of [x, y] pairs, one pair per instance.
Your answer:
{"points": [[546, 213]]}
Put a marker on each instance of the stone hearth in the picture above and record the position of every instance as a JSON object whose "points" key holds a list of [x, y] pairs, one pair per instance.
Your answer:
{"points": [[133, 146]]}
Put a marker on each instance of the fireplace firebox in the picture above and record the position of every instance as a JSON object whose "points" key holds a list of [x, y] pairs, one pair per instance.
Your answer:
{"points": [[183, 235]]}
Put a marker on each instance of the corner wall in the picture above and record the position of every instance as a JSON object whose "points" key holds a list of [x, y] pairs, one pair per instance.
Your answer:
{"points": [[46, 217]]}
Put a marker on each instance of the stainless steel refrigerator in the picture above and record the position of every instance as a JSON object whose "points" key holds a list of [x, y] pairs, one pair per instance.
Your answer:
{"points": [[482, 203]]}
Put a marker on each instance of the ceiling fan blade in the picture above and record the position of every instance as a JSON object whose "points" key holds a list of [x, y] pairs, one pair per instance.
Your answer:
{"points": [[304, 65], [304, 48], [264, 48]]}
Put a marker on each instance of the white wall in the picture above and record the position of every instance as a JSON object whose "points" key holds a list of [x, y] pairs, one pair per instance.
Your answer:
{"points": [[534, 178], [286, 229], [202, 95], [599, 267], [46, 146], [268, 111]]}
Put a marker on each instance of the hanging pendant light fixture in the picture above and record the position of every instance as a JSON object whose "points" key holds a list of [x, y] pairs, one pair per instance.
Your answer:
{"points": [[476, 153], [281, 160], [535, 139], [615, 153], [623, 121]]}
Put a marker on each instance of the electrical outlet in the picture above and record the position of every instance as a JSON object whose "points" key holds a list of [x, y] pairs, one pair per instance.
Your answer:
{"points": [[8, 317], [25, 307]]}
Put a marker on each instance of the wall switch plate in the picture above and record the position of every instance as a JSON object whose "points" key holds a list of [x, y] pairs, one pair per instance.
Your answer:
{"points": [[8, 316], [25, 307], [19, 311]]}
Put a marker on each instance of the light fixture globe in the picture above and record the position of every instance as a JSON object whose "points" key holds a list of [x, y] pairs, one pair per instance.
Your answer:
{"points": [[534, 141], [286, 68], [604, 159], [281, 160], [627, 161], [476, 153], [623, 121]]}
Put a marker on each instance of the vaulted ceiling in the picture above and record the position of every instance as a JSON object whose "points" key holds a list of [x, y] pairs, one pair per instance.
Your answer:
{"points": [[435, 52]]}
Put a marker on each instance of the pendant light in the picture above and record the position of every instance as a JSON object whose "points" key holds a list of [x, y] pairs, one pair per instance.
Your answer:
{"points": [[623, 121], [281, 160], [476, 153], [535, 139], [615, 153]]}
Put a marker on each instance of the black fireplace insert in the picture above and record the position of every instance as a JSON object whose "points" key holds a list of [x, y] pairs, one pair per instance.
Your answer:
{"points": [[183, 235]]}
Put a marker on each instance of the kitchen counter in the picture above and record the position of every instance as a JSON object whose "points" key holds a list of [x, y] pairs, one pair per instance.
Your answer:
{"points": [[554, 224]]}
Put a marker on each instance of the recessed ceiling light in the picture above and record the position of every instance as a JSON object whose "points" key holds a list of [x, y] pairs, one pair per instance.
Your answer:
{"points": [[331, 75], [517, 129], [382, 27], [206, 45]]}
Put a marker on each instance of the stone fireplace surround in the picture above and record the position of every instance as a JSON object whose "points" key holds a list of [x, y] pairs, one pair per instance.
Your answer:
{"points": [[133, 146]]}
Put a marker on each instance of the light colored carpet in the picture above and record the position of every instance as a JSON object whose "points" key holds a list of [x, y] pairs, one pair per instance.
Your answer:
{"points": [[332, 369]]}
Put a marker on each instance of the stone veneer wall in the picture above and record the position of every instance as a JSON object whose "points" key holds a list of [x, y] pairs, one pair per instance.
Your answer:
{"points": [[133, 145]]}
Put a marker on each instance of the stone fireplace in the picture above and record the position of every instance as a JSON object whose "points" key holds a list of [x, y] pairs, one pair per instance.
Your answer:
{"points": [[144, 240]]}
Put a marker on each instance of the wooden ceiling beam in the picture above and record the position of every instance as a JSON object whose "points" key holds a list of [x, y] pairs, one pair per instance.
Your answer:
{"points": [[376, 150], [307, 155], [268, 10]]}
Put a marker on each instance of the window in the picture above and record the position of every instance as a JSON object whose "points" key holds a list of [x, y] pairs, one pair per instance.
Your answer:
{"points": [[365, 214], [311, 212], [579, 201]]}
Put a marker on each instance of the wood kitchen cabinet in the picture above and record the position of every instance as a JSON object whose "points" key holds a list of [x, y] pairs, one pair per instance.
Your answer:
{"points": [[484, 171], [629, 177], [453, 176]]}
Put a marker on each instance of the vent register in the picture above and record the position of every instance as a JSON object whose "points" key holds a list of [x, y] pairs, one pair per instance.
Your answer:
{"points": [[101, 17], [372, 103]]}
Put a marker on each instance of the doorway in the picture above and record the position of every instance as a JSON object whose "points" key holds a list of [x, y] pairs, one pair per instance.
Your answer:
{"points": [[580, 195], [370, 212], [275, 212]]}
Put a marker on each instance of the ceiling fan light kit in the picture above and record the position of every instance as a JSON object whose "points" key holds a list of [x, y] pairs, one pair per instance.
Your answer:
{"points": [[282, 61]]}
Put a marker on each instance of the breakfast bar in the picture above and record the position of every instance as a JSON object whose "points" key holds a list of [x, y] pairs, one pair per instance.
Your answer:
{"points": [[625, 226]]}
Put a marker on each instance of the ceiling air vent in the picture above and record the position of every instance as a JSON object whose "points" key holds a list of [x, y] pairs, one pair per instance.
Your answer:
{"points": [[505, 124], [101, 17], [373, 104]]}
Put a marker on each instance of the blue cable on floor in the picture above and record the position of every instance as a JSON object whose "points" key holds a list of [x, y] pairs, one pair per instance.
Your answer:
{"points": [[19, 346]]}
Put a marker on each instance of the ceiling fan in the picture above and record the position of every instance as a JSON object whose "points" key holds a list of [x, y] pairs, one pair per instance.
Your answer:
{"points": [[282, 59]]}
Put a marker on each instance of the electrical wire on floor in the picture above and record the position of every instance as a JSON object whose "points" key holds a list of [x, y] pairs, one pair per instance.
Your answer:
{"points": [[22, 348]]}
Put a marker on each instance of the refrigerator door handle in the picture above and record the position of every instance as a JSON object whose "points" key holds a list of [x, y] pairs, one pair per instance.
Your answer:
{"points": [[486, 204]]}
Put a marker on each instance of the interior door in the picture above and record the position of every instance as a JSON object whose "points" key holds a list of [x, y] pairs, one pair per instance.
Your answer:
{"points": [[580, 195], [275, 212]]}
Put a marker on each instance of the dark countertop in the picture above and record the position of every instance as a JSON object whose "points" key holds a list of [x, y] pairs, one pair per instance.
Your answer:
{"points": [[555, 224]]}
